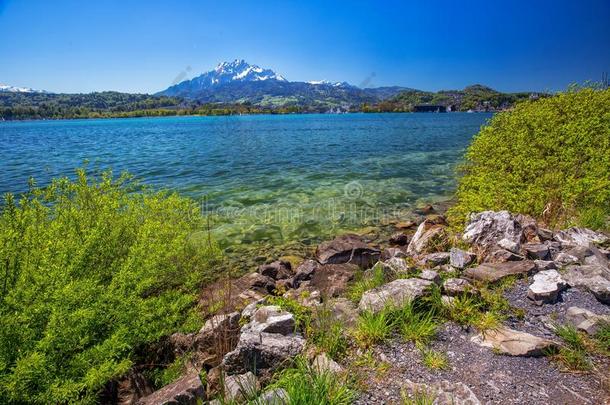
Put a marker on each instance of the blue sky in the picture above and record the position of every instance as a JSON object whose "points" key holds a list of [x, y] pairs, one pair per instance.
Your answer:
{"points": [[142, 46]]}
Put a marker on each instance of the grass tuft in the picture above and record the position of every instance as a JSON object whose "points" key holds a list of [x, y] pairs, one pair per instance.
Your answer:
{"points": [[373, 328], [305, 385], [434, 360]]}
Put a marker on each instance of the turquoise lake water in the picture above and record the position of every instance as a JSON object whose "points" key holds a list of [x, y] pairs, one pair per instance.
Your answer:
{"points": [[266, 179]]}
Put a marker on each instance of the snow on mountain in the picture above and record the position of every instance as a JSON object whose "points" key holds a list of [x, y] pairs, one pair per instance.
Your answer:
{"points": [[12, 89], [237, 71]]}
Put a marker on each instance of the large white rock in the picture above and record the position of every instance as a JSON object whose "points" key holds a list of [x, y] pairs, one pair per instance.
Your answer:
{"points": [[546, 287], [489, 228], [513, 343], [396, 293]]}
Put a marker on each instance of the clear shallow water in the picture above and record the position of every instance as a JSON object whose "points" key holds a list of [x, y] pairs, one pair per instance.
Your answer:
{"points": [[266, 179]]}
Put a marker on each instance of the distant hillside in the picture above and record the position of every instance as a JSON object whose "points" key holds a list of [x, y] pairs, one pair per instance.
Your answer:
{"points": [[476, 98]]}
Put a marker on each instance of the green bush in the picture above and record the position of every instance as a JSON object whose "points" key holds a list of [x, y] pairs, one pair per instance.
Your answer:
{"points": [[547, 158], [91, 271]]}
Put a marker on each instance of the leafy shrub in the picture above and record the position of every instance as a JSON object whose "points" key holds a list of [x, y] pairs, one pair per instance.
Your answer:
{"points": [[92, 271], [546, 158]]}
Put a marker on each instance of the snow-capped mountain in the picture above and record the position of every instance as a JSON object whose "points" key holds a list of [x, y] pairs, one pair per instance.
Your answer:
{"points": [[12, 89], [227, 72]]}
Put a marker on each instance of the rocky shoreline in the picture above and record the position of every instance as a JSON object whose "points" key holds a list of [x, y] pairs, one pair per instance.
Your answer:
{"points": [[547, 279]]}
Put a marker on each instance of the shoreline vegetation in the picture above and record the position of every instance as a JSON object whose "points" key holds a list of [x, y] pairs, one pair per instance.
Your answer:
{"points": [[39, 106], [104, 292]]}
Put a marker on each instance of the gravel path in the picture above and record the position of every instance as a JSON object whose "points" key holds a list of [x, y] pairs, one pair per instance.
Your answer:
{"points": [[495, 379]]}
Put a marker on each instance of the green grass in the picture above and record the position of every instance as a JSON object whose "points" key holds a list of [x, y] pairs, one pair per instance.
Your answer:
{"points": [[415, 327], [327, 333], [373, 328], [573, 355], [305, 386], [602, 338], [434, 360]]}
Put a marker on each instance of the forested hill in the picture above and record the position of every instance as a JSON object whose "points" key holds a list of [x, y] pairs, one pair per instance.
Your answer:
{"points": [[53, 106], [476, 97]]}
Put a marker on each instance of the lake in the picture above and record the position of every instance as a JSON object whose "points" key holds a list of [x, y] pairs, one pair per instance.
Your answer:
{"points": [[267, 180]]}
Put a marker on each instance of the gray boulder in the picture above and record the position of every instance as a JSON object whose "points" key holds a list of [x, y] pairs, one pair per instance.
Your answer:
{"points": [[546, 287], [537, 251], [434, 259], [188, 390], [397, 293], [304, 272], [461, 259], [347, 249], [277, 396], [457, 286], [492, 272], [595, 279], [430, 275], [239, 387], [585, 320], [261, 351], [431, 236], [271, 319], [324, 364], [486, 229]]}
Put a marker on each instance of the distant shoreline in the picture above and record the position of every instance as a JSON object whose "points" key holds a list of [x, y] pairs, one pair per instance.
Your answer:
{"points": [[3, 120]]}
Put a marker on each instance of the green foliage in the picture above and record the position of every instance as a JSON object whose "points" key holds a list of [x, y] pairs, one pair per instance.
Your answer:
{"points": [[305, 385], [547, 158], [92, 271]]}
